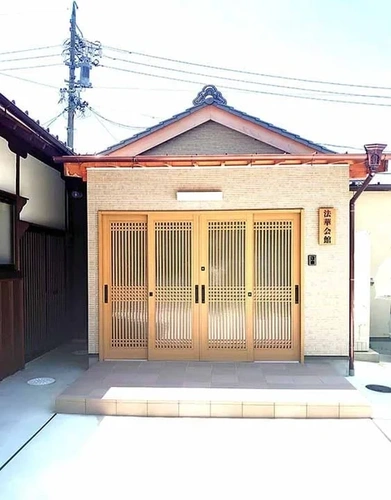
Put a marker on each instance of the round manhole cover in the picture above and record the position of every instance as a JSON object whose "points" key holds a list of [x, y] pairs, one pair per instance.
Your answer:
{"points": [[41, 381], [80, 352], [378, 388]]}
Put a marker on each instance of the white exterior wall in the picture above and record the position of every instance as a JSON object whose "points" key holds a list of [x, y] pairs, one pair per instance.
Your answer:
{"points": [[326, 286], [45, 190], [7, 168], [373, 214], [362, 295]]}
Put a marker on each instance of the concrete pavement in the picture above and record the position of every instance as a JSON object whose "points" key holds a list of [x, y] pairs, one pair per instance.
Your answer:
{"points": [[83, 457]]}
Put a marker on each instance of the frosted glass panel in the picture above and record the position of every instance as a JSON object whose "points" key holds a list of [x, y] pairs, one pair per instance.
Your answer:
{"points": [[226, 280], [273, 254], [6, 254], [129, 295], [173, 261]]}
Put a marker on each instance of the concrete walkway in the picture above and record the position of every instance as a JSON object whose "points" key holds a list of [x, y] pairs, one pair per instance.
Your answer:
{"points": [[374, 373], [79, 457], [24, 409], [87, 457]]}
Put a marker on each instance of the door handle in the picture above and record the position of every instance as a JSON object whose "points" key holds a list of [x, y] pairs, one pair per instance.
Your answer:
{"points": [[203, 294], [106, 294], [296, 294], [196, 294]]}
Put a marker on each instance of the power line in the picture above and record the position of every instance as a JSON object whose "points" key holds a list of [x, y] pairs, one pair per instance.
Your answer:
{"points": [[232, 70], [341, 146], [29, 58], [52, 120], [114, 122], [237, 80], [251, 91], [33, 12], [346, 147], [31, 67], [98, 87], [29, 50], [29, 81], [103, 125]]}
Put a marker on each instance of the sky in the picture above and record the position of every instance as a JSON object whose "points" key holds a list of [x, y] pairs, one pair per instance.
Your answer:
{"points": [[340, 41]]}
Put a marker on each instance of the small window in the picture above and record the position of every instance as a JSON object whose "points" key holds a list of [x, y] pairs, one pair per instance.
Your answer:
{"points": [[7, 257]]}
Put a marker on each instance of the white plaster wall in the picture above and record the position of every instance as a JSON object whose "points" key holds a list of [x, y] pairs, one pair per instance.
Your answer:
{"points": [[373, 214], [7, 168], [45, 190], [362, 293]]}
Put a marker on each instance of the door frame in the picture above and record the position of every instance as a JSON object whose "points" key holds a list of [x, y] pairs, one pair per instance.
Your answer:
{"points": [[104, 253]]}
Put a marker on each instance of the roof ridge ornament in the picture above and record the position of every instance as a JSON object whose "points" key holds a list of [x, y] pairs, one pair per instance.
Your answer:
{"points": [[209, 95]]}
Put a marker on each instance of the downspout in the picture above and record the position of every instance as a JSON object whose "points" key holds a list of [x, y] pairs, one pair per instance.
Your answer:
{"points": [[374, 152]]}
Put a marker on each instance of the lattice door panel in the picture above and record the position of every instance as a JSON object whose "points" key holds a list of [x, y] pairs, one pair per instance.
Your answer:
{"points": [[200, 285], [226, 288], [174, 331], [224, 303], [127, 288], [275, 279]]}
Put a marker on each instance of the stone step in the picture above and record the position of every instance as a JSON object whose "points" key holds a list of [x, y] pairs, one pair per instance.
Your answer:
{"points": [[210, 402], [370, 355]]}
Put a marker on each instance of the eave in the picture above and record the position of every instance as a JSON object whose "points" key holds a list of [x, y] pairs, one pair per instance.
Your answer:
{"points": [[25, 136], [76, 166]]}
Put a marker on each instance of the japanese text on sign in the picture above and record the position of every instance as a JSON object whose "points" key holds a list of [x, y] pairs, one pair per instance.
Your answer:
{"points": [[327, 222]]}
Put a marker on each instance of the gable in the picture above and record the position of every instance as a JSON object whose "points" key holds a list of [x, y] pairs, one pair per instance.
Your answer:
{"points": [[253, 136], [211, 138]]}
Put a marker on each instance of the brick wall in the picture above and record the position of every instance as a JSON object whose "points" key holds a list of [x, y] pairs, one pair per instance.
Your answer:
{"points": [[211, 138], [325, 286]]}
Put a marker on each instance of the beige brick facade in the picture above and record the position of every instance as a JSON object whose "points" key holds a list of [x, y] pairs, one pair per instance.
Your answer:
{"points": [[325, 321]]}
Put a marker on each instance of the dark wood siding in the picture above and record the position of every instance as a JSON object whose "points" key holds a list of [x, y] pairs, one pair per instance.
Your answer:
{"points": [[43, 270], [11, 327], [77, 265]]}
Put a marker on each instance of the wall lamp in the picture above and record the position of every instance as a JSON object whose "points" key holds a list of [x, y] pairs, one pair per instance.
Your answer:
{"points": [[199, 195]]}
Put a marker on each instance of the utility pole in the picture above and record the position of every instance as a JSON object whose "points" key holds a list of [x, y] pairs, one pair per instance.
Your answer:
{"points": [[78, 53], [72, 79]]}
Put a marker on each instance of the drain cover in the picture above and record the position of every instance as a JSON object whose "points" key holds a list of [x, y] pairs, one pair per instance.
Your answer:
{"points": [[80, 352], [378, 388], [41, 381]]}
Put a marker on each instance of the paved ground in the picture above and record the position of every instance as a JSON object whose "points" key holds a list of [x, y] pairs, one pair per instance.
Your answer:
{"points": [[25, 408], [102, 376], [82, 457], [374, 373], [87, 457]]}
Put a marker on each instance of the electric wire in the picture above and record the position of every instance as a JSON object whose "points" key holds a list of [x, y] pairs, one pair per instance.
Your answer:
{"points": [[103, 125], [29, 50], [29, 81], [123, 125], [29, 58], [50, 122], [237, 80], [244, 72], [251, 91], [32, 67]]}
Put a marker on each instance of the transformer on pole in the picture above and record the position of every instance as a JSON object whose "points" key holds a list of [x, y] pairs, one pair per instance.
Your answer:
{"points": [[78, 53]]}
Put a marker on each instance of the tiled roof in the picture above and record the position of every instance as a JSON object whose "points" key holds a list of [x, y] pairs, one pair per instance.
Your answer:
{"points": [[214, 98], [35, 126]]}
